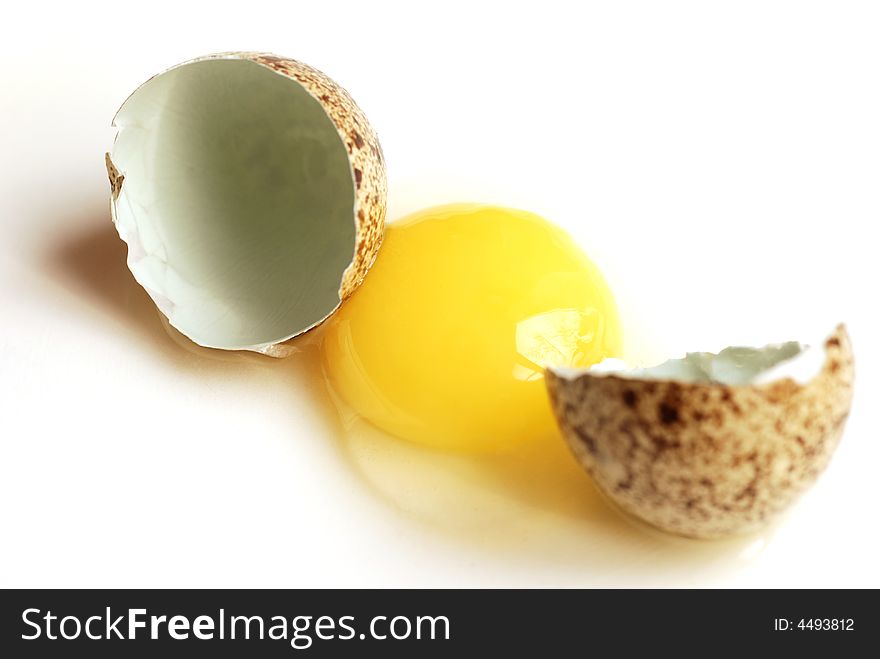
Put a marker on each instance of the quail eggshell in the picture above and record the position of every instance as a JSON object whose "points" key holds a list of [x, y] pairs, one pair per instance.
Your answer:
{"points": [[367, 170], [705, 459]]}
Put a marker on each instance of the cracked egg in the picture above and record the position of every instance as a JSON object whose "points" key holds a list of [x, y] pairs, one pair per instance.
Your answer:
{"points": [[250, 190], [446, 342], [710, 445]]}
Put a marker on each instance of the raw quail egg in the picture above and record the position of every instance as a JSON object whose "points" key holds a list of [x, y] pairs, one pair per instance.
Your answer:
{"points": [[250, 190], [446, 341]]}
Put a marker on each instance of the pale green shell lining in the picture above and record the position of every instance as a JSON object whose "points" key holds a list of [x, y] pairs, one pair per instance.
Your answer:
{"points": [[236, 204], [731, 366]]}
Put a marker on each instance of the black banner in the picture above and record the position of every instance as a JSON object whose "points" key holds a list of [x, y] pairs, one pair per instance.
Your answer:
{"points": [[277, 623]]}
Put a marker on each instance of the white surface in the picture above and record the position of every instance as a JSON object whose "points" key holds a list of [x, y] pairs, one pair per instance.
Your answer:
{"points": [[719, 160]]}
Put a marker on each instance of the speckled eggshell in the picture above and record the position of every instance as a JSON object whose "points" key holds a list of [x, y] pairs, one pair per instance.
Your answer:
{"points": [[365, 157], [700, 459]]}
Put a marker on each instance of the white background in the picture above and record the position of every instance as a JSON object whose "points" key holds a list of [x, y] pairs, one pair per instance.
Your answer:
{"points": [[720, 162]]}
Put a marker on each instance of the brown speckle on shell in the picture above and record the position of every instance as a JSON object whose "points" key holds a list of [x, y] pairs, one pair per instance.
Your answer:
{"points": [[703, 459], [116, 178]]}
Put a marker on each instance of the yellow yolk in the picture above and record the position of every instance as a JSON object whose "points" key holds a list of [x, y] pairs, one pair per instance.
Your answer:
{"points": [[445, 341]]}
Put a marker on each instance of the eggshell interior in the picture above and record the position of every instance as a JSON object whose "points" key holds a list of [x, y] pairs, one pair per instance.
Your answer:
{"points": [[250, 189]]}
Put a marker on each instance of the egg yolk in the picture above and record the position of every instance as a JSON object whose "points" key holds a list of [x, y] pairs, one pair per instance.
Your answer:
{"points": [[445, 341]]}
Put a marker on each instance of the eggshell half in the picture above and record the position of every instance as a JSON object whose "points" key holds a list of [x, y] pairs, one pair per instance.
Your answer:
{"points": [[367, 174], [703, 459]]}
